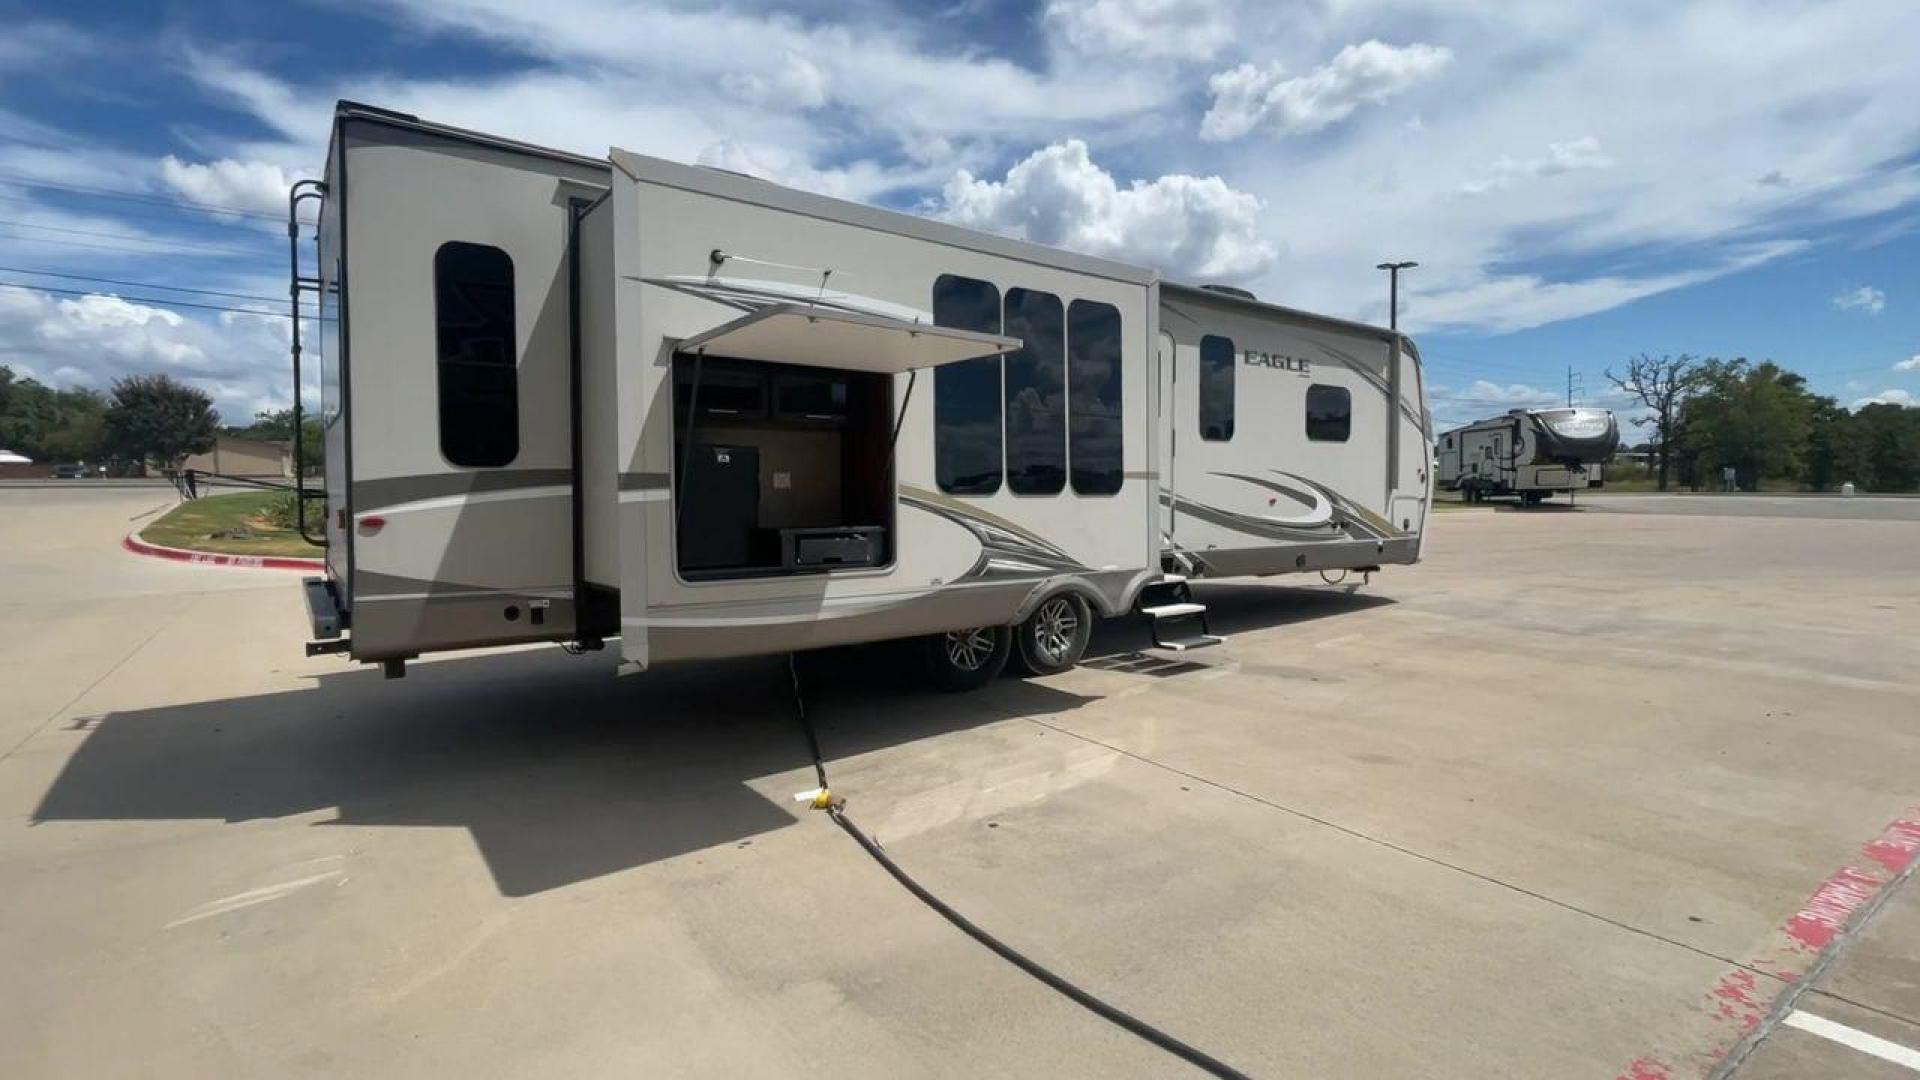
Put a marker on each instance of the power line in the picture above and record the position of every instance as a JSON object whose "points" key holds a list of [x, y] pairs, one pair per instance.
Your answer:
{"points": [[141, 284], [144, 300], [133, 196], [122, 249], [164, 242], [122, 214]]}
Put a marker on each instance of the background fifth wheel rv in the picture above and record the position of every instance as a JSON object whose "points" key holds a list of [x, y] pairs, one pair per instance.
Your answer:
{"points": [[571, 399]]}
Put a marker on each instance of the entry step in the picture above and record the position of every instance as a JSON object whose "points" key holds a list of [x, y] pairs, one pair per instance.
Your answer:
{"points": [[1188, 644], [1173, 611], [1177, 621]]}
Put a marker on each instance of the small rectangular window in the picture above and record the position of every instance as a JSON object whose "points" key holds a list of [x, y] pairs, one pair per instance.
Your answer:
{"points": [[1216, 388], [966, 394], [478, 355], [1329, 413], [1036, 394], [1094, 429]]}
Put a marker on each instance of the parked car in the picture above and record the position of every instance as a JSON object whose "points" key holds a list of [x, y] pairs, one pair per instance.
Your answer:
{"points": [[71, 472]]}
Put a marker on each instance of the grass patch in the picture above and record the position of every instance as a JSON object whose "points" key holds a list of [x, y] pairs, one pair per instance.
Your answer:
{"points": [[232, 525]]}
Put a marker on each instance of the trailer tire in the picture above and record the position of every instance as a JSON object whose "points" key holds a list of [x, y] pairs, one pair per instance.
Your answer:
{"points": [[1054, 637], [960, 660]]}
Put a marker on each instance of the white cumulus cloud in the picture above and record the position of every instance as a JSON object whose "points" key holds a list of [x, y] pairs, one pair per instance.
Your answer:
{"points": [[91, 340], [1911, 363], [1887, 397], [239, 185], [1251, 96], [1168, 29], [1186, 225], [1561, 157], [1865, 298], [796, 83]]}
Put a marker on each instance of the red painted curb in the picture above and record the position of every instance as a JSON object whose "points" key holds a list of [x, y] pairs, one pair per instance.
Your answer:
{"points": [[1741, 1000], [138, 546]]}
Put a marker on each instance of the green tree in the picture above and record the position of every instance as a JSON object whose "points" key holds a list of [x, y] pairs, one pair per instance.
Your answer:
{"points": [[1756, 418], [25, 413], [80, 426], [277, 426], [159, 418], [1835, 451], [48, 424], [1889, 441]]}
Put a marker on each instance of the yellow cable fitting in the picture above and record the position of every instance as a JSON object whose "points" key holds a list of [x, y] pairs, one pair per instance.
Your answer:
{"points": [[819, 799]]}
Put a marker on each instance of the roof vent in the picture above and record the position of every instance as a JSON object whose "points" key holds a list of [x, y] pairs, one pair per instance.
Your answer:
{"points": [[1231, 290]]}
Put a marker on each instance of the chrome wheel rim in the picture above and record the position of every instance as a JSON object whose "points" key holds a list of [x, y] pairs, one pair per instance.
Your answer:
{"points": [[1054, 627], [969, 649]]}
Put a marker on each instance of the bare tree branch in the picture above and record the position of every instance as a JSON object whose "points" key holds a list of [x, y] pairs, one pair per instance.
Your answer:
{"points": [[1659, 386]]}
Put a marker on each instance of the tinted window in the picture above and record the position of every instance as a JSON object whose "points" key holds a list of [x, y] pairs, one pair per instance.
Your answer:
{"points": [[1329, 413], [966, 395], [478, 354], [1093, 398], [1216, 388], [1036, 393]]}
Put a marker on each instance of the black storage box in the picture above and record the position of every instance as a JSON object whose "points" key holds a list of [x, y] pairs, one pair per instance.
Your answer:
{"points": [[848, 545]]}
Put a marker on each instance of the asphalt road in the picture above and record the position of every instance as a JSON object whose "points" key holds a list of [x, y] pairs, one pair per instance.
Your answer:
{"points": [[1579, 796], [1824, 507]]}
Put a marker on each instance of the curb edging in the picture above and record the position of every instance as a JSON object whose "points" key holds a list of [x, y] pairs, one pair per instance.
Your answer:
{"points": [[135, 544]]}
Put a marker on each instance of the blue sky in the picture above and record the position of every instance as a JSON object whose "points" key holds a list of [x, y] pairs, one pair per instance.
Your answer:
{"points": [[1579, 182]]}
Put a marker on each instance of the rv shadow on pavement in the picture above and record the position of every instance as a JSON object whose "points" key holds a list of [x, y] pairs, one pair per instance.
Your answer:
{"points": [[560, 770]]}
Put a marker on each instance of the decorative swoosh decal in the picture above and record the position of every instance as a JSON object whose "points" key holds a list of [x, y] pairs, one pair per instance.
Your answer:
{"points": [[1006, 549], [1319, 507], [1331, 516]]}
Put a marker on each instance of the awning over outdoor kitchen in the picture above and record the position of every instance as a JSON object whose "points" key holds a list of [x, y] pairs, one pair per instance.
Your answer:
{"points": [[824, 337]]}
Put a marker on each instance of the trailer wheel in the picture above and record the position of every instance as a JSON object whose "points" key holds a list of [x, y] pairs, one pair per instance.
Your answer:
{"points": [[1054, 636], [967, 659]]}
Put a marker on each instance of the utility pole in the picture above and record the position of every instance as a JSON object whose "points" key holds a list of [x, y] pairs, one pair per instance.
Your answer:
{"points": [[1393, 290]]}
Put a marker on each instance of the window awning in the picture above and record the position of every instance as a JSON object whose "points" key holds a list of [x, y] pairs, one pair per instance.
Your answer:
{"points": [[815, 336]]}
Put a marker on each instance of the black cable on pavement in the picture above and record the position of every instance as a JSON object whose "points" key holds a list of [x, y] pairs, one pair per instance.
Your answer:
{"points": [[836, 809]]}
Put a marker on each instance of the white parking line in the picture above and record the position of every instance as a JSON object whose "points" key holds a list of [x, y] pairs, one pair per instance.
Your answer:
{"points": [[1858, 1040]]}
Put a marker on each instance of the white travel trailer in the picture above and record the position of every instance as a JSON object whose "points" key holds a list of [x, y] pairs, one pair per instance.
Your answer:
{"points": [[1528, 453], [572, 399]]}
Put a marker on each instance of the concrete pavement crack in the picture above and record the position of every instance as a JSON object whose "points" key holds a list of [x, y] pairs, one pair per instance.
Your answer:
{"points": [[1400, 848], [1864, 1007], [88, 689]]}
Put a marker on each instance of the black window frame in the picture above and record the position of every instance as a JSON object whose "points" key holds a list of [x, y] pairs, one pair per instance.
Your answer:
{"points": [[1210, 355], [486, 434], [1102, 478], [1344, 419], [1033, 403], [970, 377]]}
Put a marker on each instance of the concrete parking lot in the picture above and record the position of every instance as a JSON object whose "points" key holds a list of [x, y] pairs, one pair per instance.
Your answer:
{"points": [[1582, 795]]}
